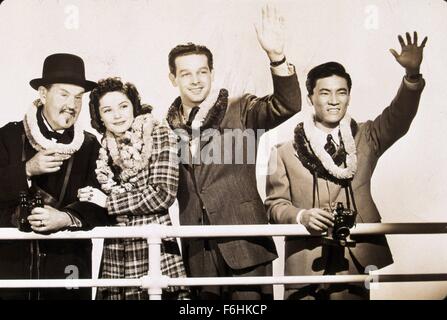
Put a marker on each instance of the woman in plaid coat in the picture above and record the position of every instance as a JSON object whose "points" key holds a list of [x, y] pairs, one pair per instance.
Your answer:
{"points": [[138, 171]]}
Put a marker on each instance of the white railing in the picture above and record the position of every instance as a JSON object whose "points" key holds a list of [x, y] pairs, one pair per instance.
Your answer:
{"points": [[155, 282]]}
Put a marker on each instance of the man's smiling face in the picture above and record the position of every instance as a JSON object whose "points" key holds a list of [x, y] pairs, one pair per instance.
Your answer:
{"points": [[62, 104], [330, 98], [193, 77]]}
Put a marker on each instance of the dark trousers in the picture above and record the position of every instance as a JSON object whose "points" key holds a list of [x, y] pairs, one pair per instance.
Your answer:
{"points": [[46, 294], [333, 262], [208, 262]]}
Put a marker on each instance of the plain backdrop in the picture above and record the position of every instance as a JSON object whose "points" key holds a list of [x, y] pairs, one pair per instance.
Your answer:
{"points": [[132, 39]]}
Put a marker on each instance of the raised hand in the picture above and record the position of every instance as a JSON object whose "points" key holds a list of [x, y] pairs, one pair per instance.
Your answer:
{"points": [[411, 56], [271, 33]]}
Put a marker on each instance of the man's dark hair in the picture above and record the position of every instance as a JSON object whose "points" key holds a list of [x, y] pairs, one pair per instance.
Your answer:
{"points": [[188, 49], [326, 70], [113, 85]]}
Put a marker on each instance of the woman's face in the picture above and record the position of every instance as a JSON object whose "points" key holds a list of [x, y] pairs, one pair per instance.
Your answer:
{"points": [[116, 112]]}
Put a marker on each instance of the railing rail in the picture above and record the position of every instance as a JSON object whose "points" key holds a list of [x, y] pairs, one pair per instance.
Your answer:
{"points": [[146, 282], [253, 230], [154, 282]]}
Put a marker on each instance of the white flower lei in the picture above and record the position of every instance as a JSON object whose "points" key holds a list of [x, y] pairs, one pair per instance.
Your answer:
{"points": [[199, 119], [317, 146], [204, 107], [39, 142], [131, 152]]}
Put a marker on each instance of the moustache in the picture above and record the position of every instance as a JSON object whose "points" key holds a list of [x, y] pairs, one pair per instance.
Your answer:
{"points": [[69, 111]]}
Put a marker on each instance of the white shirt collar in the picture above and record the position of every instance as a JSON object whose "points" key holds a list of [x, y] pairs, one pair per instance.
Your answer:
{"points": [[49, 127], [334, 133]]}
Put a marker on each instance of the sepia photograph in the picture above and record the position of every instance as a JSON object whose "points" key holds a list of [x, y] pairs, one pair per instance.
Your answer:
{"points": [[254, 150]]}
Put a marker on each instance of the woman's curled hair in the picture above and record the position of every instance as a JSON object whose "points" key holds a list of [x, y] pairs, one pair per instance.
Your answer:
{"points": [[114, 84]]}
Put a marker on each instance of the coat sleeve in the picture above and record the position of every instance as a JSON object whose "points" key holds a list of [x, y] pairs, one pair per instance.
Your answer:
{"points": [[279, 202], [89, 214], [161, 180], [12, 168], [269, 111], [396, 119]]}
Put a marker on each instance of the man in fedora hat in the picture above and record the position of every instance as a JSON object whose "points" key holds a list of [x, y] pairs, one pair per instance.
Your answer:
{"points": [[48, 154]]}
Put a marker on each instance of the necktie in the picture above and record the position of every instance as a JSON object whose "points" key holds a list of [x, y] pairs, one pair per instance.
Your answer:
{"points": [[337, 153], [192, 115], [55, 135], [330, 146]]}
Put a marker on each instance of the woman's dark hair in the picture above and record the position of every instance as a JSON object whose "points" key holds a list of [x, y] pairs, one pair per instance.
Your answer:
{"points": [[114, 84], [326, 70]]}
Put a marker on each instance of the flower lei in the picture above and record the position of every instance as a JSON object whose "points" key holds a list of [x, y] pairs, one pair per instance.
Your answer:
{"points": [[39, 142], [130, 152], [316, 144]]}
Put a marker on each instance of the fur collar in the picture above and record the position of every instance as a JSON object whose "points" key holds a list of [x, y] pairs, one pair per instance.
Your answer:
{"points": [[210, 115], [312, 155], [39, 142]]}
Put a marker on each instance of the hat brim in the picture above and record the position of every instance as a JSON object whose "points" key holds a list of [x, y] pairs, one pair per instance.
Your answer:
{"points": [[86, 84]]}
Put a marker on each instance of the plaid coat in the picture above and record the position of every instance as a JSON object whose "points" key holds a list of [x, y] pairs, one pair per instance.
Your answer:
{"points": [[148, 203]]}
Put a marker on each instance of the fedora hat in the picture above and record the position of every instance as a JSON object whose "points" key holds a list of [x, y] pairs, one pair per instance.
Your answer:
{"points": [[63, 68]]}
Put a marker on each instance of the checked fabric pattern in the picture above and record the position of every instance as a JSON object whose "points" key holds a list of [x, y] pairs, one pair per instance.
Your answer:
{"points": [[155, 191]]}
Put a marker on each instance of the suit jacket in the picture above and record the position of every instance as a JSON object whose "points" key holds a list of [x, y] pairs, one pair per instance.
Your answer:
{"points": [[46, 258], [290, 186], [224, 191]]}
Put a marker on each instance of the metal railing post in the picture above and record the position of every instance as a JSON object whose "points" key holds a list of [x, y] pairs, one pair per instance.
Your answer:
{"points": [[96, 243], [155, 281]]}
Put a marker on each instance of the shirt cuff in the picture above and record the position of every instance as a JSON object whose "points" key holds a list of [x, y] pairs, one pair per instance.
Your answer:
{"points": [[284, 69], [75, 222], [414, 85], [298, 217]]}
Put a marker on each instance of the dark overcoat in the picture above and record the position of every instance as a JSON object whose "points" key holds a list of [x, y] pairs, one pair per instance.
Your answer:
{"points": [[46, 259]]}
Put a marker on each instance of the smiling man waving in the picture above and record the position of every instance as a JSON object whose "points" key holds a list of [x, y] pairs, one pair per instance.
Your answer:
{"points": [[223, 191], [331, 161]]}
